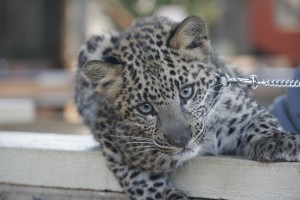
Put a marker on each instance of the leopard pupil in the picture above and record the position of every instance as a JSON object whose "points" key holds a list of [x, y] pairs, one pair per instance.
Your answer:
{"points": [[186, 92], [146, 107]]}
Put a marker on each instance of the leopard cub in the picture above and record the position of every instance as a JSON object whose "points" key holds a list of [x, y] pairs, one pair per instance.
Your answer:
{"points": [[151, 97]]}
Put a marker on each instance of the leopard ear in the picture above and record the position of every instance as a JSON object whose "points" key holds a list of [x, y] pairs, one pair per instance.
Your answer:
{"points": [[191, 37], [105, 76]]}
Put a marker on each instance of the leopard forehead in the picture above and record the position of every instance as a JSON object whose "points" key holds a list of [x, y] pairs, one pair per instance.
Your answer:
{"points": [[153, 70]]}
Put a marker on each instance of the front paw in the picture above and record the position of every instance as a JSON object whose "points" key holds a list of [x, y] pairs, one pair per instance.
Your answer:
{"points": [[174, 194], [276, 148]]}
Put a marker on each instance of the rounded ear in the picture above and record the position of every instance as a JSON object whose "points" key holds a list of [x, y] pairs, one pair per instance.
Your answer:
{"points": [[105, 76], [190, 36]]}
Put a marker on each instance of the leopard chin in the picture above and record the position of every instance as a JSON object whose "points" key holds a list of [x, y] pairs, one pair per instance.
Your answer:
{"points": [[186, 154]]}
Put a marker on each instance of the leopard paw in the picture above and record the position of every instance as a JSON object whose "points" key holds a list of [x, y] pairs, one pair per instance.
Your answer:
{"points": [[270, 149], [174, 194]]}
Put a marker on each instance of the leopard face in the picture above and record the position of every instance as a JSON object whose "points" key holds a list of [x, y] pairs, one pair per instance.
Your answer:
{"points": [[161, 83]]}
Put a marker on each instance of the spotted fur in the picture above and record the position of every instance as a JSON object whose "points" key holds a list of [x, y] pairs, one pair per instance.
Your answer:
{"points": [[150, 95]]}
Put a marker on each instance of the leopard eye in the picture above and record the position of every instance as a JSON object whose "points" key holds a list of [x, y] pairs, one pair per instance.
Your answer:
{"points": [[186, 92], [145, 109]]}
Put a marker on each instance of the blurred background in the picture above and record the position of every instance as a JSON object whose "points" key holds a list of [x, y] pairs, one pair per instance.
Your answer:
{"points": [[40, 40]]}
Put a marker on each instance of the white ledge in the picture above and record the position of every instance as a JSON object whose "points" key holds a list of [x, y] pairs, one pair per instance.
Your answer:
{"points": [[75, 162]]}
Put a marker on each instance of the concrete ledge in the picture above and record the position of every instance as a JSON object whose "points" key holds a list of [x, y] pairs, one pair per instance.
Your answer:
{"points": [[76, 163]]}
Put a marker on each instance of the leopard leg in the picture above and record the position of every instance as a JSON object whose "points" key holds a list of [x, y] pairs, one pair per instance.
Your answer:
{"points": [[264, 140], [141, 185]]}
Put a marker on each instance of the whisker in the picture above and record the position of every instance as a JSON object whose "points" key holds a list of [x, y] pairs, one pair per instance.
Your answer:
{"points": [[156, 154], [133, 142], [159, 158], [129, 142], [213, 102], [210, 89], [151, 149], [165, 147], [131, 137], [139, 144], [195, 140], [140, 147], [129, 124], [216, 86], [213, 106]]}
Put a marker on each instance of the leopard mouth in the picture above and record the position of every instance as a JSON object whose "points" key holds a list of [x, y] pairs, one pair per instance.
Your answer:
{"points": [[186, 154], [186, 150], [172, 150], [180, 152]]}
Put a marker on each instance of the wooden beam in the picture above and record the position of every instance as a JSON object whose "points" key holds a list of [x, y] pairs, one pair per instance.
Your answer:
{"points": [[17, 192], [76, 162]]}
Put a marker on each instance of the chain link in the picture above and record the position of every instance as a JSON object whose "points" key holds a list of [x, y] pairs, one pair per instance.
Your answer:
{"points": [[253, 82]]}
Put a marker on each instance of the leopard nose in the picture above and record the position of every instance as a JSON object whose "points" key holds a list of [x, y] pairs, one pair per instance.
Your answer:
{"points": [[178, 142], [179, 136]]}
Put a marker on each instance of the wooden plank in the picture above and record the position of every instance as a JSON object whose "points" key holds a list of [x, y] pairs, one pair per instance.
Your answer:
{"points": [[239, 179], [75, 162], [16, 192], [51, 160]]}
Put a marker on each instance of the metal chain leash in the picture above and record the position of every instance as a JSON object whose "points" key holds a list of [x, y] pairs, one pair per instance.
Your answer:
{"points": [[253, 82]]}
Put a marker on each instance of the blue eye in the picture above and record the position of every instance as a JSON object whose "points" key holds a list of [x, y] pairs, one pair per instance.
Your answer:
{"points": [[145, 109], [186, 92]]}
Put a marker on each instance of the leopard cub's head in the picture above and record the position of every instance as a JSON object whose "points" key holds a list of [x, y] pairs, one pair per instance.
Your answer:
{"points": [[158, 79]]}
